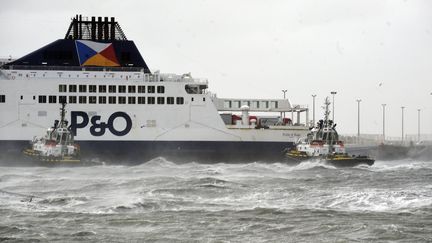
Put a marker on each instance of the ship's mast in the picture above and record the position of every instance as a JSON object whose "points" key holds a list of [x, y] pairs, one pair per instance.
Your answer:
{"points": [[326, 111], [63, 115], [327, 125]]}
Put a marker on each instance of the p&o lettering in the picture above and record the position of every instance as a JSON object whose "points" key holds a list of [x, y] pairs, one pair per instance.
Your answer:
{"points": [[99, 127]]}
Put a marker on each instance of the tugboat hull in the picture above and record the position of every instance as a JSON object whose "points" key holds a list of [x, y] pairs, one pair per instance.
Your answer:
{"points": [[338, 160], [50, 160], [346, 161]]}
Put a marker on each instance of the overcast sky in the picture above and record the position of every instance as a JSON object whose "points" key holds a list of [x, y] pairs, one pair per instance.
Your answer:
{"points": [[378, 51]]}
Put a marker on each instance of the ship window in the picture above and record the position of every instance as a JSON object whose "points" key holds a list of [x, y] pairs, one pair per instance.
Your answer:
{"points": [[72, 88], [112, 88], [195, 89], [180, 100], [112, 99], [22, 97], [92, 99], [160, 89], [102, 88], [227, 103], [131, 88], [92, 88], [83, 88], [82, 99], [161, 100], [102, 100], [192, 99], [131, 100], [34, 97], [52, 99], [42, 99], [141, 100], [122, 100], [150, 100], [62, 99], [151, 89], [257, 104], [62, 88], [2, 98], [122, 89], [141, 89], [72, 99], [170, 100]]}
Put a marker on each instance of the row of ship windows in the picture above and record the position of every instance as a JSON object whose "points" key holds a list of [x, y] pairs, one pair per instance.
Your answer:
{"points": [[252, 104], [82, 88], [111, 100], [103, 99]]}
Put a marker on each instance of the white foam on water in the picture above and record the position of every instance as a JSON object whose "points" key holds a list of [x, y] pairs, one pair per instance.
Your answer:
{"points": [[376, 200], [160, 184], [310, 164], [399, 165]]}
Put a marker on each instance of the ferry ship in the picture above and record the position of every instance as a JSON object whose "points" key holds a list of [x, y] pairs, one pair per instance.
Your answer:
{"points": [[121, 111]]}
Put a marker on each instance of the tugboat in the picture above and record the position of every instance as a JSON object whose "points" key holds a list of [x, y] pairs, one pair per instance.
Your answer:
{"points": [[322, 143], [57, 146]]}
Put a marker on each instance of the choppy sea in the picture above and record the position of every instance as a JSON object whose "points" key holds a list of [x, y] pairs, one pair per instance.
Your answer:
{"points": [[161, 201]]}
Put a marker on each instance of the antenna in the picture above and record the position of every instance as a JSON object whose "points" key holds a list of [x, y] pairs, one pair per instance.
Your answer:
{"points": [[63, 114]]}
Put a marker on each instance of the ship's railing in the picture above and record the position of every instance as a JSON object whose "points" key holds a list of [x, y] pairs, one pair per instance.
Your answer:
{"points": [[147, 77], [170, 77], [72, 68]]}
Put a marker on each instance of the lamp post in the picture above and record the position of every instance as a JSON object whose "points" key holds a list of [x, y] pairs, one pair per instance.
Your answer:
{"points": [[313, 109], [418, 125], [333, 94], [284, 92], [358, 120], [383, 105], [402, 107]]}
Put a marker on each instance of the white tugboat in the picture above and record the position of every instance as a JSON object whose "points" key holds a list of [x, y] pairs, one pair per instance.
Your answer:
{"points": [[57, 145], [323, 143]]}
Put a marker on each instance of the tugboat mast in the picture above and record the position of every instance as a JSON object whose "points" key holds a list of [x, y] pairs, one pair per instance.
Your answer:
{"points": [[328, 125], [63, 115]]}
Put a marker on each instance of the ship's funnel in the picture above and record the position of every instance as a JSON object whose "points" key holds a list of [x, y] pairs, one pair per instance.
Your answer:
{"points": [[101, 29]]}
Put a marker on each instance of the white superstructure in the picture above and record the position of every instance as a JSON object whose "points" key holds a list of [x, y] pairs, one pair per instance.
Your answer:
{"points": [[161, 106]]}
